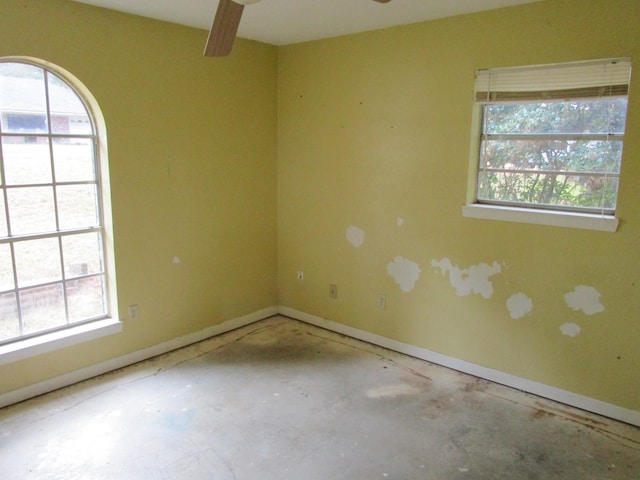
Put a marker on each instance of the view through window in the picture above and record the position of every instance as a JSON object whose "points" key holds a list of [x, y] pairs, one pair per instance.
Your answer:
{"points": [[552, 136]]}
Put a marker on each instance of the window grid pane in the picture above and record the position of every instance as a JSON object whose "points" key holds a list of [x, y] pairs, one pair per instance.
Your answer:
{"points": [[27, 160], [73, 159], [31, 210], [52, 272], [85, 297], [42, 308], [77, 206], [37, 261]]}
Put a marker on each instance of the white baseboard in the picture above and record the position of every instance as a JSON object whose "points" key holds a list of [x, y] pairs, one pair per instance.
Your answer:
{"points": [[615, 412], [582, 402], [76, 376]]}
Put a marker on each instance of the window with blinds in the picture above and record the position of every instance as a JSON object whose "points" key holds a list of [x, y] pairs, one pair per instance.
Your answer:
{"points": [[552, 135]]}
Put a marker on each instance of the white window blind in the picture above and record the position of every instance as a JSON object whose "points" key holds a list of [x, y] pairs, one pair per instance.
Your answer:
{"points": [[586, 79]]}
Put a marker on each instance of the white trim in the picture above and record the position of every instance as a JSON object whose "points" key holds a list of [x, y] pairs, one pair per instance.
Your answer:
{"points": [[555, 218], [76, 376], [582, 402], [30, 347], [615, 412]]}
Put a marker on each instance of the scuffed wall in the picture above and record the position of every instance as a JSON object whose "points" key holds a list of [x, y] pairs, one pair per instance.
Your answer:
{"points": [[192, 160], [374, 147]]}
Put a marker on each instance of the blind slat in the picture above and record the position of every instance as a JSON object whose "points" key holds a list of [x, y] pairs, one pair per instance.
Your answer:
{"points": [[559, 81]]}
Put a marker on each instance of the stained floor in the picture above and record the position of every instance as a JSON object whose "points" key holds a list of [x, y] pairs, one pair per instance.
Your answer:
{"points": [[284, 400]]}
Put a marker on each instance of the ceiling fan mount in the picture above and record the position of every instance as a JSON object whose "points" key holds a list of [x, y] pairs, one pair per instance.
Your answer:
{"points": [[225, 26]]}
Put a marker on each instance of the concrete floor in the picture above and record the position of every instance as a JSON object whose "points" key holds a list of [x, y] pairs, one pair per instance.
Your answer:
{"points": [[283, 400]]}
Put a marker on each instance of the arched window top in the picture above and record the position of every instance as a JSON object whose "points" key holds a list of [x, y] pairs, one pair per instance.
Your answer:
{"points": [[34, 99]]}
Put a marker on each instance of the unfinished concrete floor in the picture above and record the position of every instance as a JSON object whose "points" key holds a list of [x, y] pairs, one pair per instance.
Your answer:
{"points": [[284, 400]]}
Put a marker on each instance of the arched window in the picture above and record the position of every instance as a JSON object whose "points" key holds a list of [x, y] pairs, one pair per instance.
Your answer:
{"points": [[54, 269]]}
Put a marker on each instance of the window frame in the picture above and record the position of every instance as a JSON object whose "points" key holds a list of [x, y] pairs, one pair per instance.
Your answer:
{"points": [[74, 332], [574, 217]]}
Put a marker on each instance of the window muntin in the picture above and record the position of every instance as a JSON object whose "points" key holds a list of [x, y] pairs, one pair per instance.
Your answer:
{"points": [[52, 257], [551, 137]]}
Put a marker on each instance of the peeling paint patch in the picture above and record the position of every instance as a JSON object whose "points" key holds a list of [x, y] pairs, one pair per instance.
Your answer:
{"points": [[570, 329], [519, 305], [176, 260], [404, 272], [355, 235], [584, 298], [475, 279], [400, 221]]}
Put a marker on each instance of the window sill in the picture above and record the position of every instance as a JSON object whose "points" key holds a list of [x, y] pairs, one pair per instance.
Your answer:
{"points": [[553, 218], [50, 342]]}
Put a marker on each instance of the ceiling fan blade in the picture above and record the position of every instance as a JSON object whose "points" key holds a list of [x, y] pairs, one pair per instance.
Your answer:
{"points": [[224, 29]]}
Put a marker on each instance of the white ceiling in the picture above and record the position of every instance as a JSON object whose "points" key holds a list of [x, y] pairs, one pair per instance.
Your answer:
{"points": [[282, 22]]}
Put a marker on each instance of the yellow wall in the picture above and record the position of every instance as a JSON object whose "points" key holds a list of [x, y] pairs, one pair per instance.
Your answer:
{"points": [[374, 128], [370, 131], [192, 157]]}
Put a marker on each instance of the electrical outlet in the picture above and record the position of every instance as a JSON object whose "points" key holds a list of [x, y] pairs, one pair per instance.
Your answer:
{"points": [[133, 312], [333, 291], [382, 301], [300, 275]]}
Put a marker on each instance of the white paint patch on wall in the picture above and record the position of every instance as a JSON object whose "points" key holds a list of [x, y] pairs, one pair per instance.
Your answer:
{"points": [[404, 272], [519, 305], [570, 329], [399, 221], [475, 279], [584, 298], [355, 235]]}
